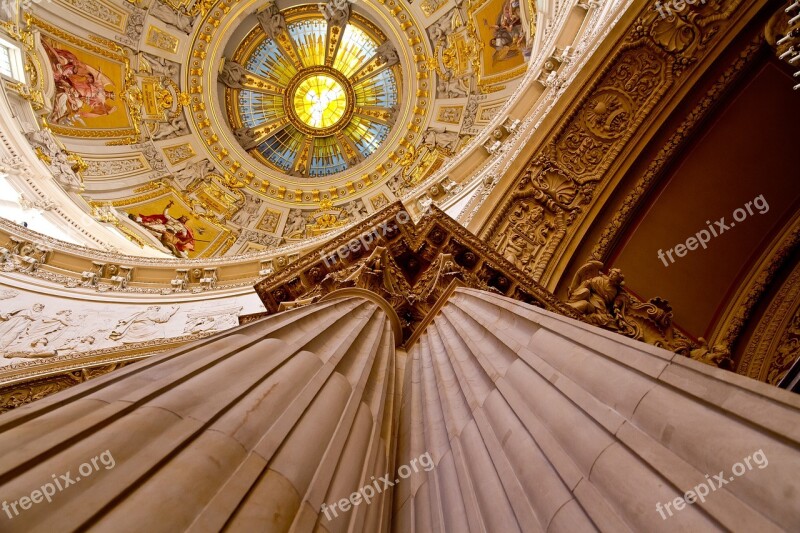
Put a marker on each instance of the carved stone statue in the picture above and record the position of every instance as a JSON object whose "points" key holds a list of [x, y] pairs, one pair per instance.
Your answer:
{"points": [[336, 12], [398, 184], [387, 54], [271, 21], [8, 11], [168, 15], [248, 211], [450, 87], [59, 162], [161, 66], [439, 30], [445, 140], [246, 137], [718, 356], [232, 74], [515, 249], [7, 294], [355, 210], [450, 187], [196, 170], [14, 324], [295, 223], [46, 330], [63, 170], [174, 128], [212, 321], [259, 237], [596, 294], [76, 345]]}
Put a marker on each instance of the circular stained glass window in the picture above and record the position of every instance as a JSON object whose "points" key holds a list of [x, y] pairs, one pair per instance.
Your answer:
{"points": [[315, 100]]}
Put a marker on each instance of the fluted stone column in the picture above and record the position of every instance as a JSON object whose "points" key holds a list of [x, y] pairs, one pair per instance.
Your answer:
{"points": [[538, 423], [534, 422], [251, 430]]}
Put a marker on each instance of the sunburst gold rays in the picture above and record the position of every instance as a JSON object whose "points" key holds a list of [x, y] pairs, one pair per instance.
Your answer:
{"points": [[269, 61], [356, 49], [257, 108], [379, 90], [327, 157], [322, 110], [367, 135], [309, 39], [281, 148]]}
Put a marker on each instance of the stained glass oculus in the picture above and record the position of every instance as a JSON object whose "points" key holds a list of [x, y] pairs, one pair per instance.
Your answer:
{"points": [[313, 105], [320, 101]]}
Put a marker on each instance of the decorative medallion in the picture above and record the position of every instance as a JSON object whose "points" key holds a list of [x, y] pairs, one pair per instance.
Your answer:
{"points": [[311, 97]]}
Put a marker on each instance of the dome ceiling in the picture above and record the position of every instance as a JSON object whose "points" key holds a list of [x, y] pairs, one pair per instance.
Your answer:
{"points": [[236, 126], [308, 98]]}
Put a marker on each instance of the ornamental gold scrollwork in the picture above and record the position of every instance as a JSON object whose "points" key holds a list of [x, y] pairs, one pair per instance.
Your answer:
{"points": [[633, 80]]}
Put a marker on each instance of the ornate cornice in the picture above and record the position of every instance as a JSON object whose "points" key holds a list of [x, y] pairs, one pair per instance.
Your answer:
{"points": [[409, 265], [775, 344]]}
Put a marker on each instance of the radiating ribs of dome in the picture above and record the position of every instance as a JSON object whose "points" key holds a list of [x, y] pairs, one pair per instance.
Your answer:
{"points": [[315, 98]]}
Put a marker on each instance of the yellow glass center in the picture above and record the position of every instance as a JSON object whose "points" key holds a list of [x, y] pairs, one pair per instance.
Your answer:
{"points": [[320, 101]]}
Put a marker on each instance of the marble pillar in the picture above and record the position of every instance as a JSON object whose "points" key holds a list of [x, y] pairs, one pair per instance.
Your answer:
{"points": [[539, 423], [532, 422], [251, 430]]}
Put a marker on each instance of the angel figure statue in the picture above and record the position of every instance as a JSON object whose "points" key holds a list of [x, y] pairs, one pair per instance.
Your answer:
{"points": [[596, 295]]}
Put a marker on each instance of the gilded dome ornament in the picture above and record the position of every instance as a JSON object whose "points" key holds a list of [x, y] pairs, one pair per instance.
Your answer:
{"points": [[311, 93]]}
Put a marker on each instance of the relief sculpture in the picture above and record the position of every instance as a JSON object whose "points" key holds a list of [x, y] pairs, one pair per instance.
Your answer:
{"points": [[143, 325]]}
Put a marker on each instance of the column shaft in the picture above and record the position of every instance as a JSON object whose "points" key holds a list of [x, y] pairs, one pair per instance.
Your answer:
{"points": [[251, 430], [539, 423]]}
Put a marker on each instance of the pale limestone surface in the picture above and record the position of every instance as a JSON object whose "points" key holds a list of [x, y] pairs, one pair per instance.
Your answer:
{"points": [[534, 422], [539, 423]]}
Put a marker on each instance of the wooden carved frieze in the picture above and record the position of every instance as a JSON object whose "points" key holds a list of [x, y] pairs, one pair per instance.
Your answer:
{"points": [[787, 352], [612, 112]]}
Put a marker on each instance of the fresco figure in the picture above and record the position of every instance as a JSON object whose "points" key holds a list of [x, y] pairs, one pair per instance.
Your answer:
{"points": [[508, 36], [172, 232], [82, 91]]}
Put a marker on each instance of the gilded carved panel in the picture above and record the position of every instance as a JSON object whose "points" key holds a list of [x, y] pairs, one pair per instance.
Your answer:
{"points": [[775, 343], [532, 224]]}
